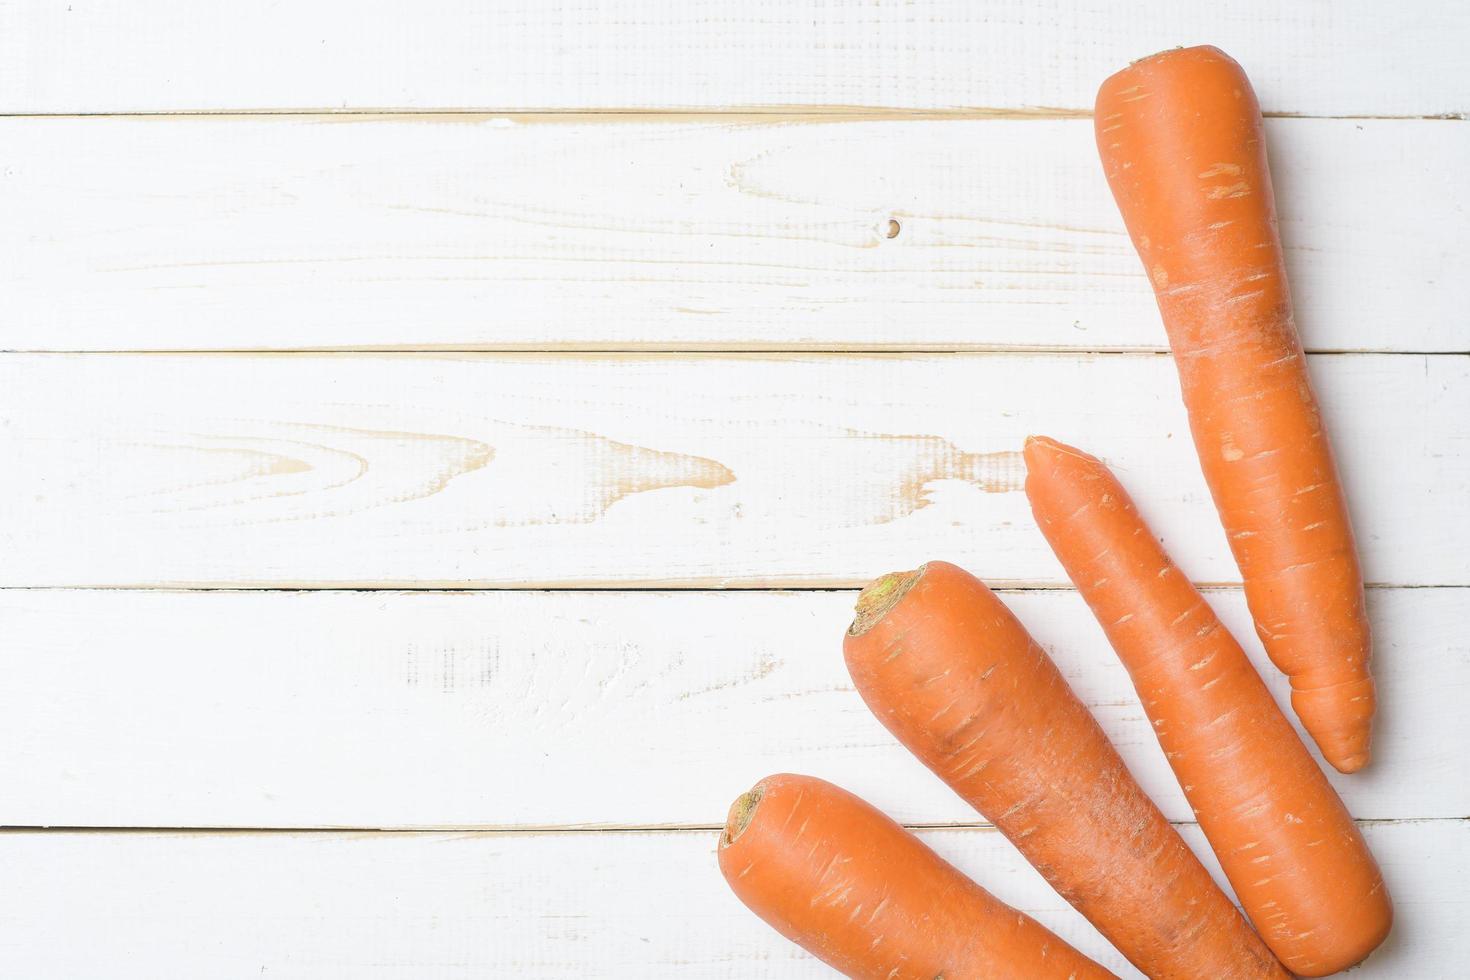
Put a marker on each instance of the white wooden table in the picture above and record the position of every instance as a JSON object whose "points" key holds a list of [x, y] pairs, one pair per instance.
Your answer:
{"points": [[441, 441]]}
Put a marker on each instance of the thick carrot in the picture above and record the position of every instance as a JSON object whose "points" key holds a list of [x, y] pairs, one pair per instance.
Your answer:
{"points": [[856, 890], [1290, 848], [1181, 142], [947, 668]]}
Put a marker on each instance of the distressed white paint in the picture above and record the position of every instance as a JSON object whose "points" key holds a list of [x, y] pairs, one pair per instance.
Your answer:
{"points": [[1334, 57], [578, 232], [519, 470], [641, 905], [517, 709], [627, 232]]}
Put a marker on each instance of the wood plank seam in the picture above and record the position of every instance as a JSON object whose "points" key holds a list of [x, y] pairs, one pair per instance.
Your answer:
{"points": [[816, 113], [1009, 588], [548, 830], [690, 348]]}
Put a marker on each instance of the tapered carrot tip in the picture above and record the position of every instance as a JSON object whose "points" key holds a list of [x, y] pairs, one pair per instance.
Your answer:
{"points": [[1343, 738], [1044, 455], [1046, 450]]}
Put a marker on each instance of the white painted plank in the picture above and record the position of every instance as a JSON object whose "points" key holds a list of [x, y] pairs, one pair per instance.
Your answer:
{"points": [[481, 233], [1335, 57], [416, 906], [331, 709], [528, 470]]}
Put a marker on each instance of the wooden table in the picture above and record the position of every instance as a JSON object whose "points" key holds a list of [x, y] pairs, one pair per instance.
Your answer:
{"points": [[442, 440]]}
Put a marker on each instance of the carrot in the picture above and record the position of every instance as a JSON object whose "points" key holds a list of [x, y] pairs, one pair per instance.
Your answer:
{"points": [[856, 890], [957, 679], [1290, 848], [1181, 142]]}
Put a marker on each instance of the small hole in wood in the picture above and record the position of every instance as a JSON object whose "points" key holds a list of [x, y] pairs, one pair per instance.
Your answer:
{"points": [[893, 227]]}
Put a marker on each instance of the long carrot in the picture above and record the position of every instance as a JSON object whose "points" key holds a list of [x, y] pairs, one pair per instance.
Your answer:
{"points": [[957, 679], [1181, 143], [856, 890], [1290, 848]]}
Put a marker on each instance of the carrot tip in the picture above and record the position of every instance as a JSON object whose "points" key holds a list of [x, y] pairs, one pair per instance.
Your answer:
{"points": [[742, 811], [879, 597], [1195, 49], [1038, 448], [1035, 444], [1345, 740], [1156, 54]]}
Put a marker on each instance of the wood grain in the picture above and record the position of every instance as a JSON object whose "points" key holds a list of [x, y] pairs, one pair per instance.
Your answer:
{"points": [[481, 232], [683, 470], [632, 177], [1332, 57], [438, 710], [642, 905]]}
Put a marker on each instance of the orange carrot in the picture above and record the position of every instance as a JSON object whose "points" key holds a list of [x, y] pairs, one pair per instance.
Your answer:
{"points": [[947, 668], [856, 890], [1290, 848], [1181, 142]]}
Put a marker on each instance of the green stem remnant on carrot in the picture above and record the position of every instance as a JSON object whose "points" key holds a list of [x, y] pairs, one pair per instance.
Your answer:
{"points": [[1298, 863], [1182, 145], [879, 597], [856, 890], [956, 678]]}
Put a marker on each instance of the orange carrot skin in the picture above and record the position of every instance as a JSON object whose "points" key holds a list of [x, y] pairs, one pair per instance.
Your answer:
{"points": [[1293, 854], [957, 679], [1181, 142], [839, 878]]}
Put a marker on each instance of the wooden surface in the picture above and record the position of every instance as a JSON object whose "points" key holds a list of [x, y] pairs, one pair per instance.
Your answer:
{"points": [[621, 709], [1321, 57], [468, 906], [469, 470], [666, 232], [441, 441]]}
